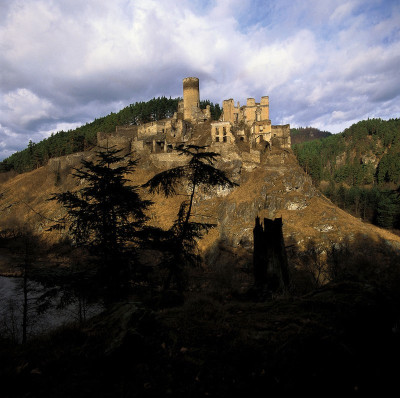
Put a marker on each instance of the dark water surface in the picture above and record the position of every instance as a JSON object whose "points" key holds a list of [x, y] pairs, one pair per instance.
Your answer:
{"points": [[11, 310]]}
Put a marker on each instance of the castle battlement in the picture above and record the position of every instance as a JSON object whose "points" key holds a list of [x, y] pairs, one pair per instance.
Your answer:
{"points": [[249, 124]]}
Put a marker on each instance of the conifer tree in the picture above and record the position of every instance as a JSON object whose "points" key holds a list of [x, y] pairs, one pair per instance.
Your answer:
{"points": [[197, 174], [106, 215]]}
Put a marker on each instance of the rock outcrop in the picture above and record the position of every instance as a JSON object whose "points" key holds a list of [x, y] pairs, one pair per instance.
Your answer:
{"points": [[270, 185]]}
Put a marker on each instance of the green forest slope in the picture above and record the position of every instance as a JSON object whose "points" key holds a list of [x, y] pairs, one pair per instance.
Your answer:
{"points": [[359, 169], [304, 134]]}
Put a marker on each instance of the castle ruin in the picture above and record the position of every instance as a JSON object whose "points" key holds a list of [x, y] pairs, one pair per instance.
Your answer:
{"points": [[249, 124]]}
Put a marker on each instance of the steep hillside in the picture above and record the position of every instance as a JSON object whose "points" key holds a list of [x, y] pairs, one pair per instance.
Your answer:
{"points": [[359, 169], [339, 339], [276, 187], [365, 153]]}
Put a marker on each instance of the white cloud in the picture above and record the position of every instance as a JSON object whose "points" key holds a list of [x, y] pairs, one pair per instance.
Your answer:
{"points": [[343, 11], [22, 107], [66, 62]]}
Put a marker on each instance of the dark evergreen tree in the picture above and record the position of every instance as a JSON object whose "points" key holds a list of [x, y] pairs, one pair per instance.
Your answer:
{"points": [[107, 215], [198, 174], [388, 209]]}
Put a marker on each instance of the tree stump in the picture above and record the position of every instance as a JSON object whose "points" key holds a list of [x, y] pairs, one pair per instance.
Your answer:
{"points": [[269, 258]]}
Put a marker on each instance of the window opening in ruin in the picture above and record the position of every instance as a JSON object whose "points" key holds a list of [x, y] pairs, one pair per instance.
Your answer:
{"points": [[236, 117], [224, 139], [216, 131], [216, 139], [224, 130], [241, 138]]}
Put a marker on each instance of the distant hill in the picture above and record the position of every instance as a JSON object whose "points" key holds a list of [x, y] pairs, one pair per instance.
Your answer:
{"points": [[305, 134], [365, 153], [359, 169]]}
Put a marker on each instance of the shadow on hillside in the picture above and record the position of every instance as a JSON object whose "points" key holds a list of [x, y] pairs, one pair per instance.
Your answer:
{"points": [[337, 339], [229, 268], [359, 259]]}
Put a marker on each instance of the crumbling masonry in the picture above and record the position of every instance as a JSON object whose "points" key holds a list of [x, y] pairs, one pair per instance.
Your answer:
{"points": [[249, 124]]}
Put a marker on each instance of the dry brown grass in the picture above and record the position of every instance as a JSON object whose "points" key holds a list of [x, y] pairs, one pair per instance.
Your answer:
{"points": [[25, 199]]}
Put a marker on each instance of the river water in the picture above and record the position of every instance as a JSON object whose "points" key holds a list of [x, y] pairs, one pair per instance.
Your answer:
{"points": [[11, 309]]}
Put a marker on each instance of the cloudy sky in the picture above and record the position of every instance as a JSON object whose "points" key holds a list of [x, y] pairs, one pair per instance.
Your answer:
{"points": [[323, 63]]}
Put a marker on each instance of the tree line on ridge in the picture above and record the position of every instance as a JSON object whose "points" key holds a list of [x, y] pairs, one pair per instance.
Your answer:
{"points": [[359, 169], [84, 137]]}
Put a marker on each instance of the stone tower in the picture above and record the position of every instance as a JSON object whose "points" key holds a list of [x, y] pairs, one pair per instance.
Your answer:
{"points": [[191, 97]]}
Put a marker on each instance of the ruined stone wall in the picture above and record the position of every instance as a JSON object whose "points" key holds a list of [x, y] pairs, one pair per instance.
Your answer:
{"points": [[221, 132], [251, 112], [261, 131], [121, 140], [69, 162], [264, 105], [232, 113], [126, 131], [179, 113], [147, 130], [138, 146], [179, 131], [207, 112], [168, 159], [281, 136], [256, 112], [228, 109], [153, 128]]}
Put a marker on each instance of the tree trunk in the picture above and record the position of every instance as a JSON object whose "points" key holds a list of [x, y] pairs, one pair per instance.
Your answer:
{"points": [[25, 305], [269, 258]]}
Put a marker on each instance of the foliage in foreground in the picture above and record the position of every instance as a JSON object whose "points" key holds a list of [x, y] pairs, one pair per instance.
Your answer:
{"points": [[198, 174], [107, 215]]}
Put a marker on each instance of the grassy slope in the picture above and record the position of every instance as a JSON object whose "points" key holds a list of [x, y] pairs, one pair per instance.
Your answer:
{"points": [[270, 190]]}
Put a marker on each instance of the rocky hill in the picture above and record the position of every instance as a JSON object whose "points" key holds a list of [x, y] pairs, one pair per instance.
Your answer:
{"points": [[339, 339], [271, 185]]}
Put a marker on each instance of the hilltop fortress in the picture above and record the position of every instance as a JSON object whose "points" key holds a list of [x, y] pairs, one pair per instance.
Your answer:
{"points": [[244, 129]]}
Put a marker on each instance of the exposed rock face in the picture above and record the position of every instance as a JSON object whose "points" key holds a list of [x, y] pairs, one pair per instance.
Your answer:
{"points": [[68, 162], [278, 187], [270, 184], [370, 158]]}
